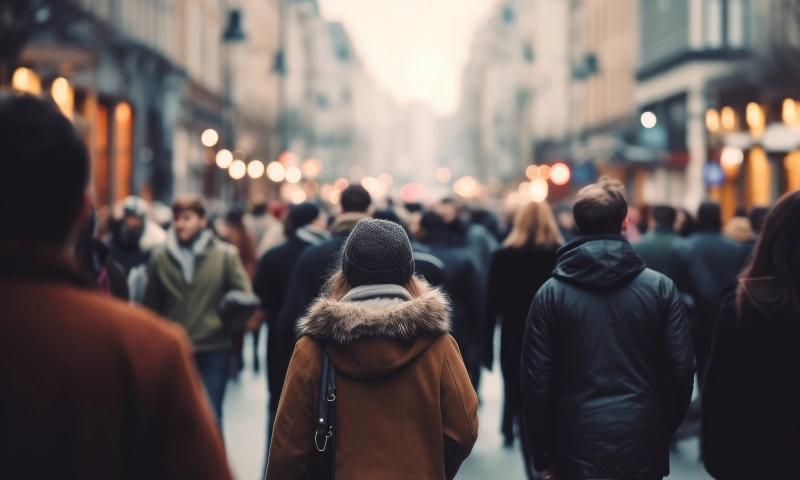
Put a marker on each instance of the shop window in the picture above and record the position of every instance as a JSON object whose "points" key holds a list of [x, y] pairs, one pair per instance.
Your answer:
{"points": [[123, 158], [101, 157], [758, 190], [792, 165]]}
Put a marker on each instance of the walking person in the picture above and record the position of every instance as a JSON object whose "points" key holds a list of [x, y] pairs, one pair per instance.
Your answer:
{"points": [[238, 236], [516, 273], [403, 393], [607, 361], [305, 227], [706, 267], [94, 257], [187, 279], [751, 396], [315, 265], [656, 246], [92, 388]]}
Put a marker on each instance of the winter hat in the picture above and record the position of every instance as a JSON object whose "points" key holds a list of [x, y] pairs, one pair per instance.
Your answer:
{"points": [[302, 214], [377, 252]]}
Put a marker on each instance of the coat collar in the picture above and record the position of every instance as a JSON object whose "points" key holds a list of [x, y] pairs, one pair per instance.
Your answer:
{"points": [[346, 222], [203, 242], [377, 311]]}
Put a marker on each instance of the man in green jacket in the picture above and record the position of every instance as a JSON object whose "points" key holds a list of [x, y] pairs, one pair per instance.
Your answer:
{"points": [[657, 245], [187, 278]]}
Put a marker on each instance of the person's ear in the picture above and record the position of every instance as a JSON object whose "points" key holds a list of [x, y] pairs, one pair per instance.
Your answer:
{"points": [[624, 226]]}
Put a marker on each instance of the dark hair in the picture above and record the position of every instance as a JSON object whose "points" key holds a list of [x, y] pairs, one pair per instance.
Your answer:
{"points": [[709, 217], [356, 199], [189, 202], [757, 217], [664, 215], [689, 224], [431, 222], [260, 209], [601, 207], [235, 216], [772, 280], [44, 170], [740, 212]]}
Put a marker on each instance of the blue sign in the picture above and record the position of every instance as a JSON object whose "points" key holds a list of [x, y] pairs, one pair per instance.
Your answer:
{"points": [[713, 174]]}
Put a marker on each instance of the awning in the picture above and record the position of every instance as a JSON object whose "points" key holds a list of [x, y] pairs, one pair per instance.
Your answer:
{"points": [[777, 138]]}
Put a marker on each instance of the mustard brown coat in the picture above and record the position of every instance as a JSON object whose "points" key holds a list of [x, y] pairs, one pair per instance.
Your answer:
{"points": [[405, 407]]}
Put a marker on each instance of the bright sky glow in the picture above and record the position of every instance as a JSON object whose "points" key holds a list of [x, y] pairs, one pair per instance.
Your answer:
{"points": [[415, 49]]}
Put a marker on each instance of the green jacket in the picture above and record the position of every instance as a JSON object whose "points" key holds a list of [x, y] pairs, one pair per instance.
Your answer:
{"points": [[656, 249], [214, 268]]}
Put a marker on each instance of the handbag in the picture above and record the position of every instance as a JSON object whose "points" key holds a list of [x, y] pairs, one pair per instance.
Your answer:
{"points": [[324, 434]]}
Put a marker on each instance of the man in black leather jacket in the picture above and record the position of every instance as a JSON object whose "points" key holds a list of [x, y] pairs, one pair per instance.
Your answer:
{"points": [[607, 361]]}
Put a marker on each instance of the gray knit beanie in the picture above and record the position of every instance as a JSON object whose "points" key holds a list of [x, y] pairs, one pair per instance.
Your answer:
{"points": [[377, 252]]}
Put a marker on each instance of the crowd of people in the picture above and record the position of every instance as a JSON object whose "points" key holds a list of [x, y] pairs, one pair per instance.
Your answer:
{"points": [[607, 316]]}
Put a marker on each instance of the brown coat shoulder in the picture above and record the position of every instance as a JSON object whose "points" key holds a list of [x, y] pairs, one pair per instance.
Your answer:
{"points": [[99, 389]]}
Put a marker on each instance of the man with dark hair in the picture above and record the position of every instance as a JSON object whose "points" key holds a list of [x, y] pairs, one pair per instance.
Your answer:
{"points": [[607, 360], [186, 280], [706, 266], [355, 198], [656, 246], [92, 388]]}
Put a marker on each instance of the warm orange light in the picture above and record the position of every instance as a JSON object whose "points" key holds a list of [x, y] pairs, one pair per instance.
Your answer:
{"points": [[311, 168], [712, 120], [209, 137], [224, 158], [26, 80], [532, 172], [298, 196], [755, 117], [466, 187], [538, 190], [728, 118], [335, 196], [341, 184], [237, 170], [276, 172], [789, 112], [559, 174], [293, 175], [730, 159], [544, 172], [311, 187], [287, 159], [255, 169], [64, 96], [411, 192]]}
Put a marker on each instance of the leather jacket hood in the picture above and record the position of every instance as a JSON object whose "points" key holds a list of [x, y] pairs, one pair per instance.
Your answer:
{"points": [[598, 262]]}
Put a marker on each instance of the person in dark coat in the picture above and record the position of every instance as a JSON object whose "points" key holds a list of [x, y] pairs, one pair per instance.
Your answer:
{"points": [[305, 227], [462, 284], [314, 266], [516, 272], [124, 242], [751, 396], [706, 266], [104, 273], [607, 361], [656, 246], [428, 266]]}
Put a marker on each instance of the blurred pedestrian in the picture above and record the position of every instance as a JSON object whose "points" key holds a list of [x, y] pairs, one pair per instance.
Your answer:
{"points": [[400, 383], [684, 223], [607, 362], [275, 234], [314, 266], [259, 220], [94, 257], [656, 246], [633, 234], [516, 272], [125, 239], [187, 279], [427, 265], [238, 236], [463, 284], [305, 227], [706, 267], [751, 397], [472, 235], [92, 388]]}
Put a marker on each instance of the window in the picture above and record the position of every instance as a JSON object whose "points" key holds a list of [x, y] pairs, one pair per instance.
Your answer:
{"points": [[713, 23], [736, 19]]}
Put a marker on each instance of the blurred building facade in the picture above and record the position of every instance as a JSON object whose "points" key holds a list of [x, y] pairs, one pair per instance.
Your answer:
{"points": [[143, 79]]}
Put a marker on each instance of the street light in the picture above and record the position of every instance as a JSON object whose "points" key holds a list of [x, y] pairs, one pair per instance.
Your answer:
{"points": [[276, 172], [649, 119], [224, 158], [293, 175], [209, 137], [255, 169], [538, 190], [559, 174], [443, 175], [237, 170]]}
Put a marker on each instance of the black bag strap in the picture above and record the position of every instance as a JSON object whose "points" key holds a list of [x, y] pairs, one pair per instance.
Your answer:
{"points": [[324, 437]]}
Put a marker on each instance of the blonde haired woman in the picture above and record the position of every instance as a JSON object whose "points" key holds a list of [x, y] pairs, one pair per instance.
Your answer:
{"points": [[516, 272], [404, 406]]}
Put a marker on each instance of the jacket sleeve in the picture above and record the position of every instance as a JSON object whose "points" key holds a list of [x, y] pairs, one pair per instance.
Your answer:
{"points": [[680, 358], [459, 410], [238, 279], [537, 374], [292, 444], [186, 440]]}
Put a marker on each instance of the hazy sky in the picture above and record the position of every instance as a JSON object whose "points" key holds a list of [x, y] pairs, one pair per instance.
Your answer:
{"points": [[415, 49]]}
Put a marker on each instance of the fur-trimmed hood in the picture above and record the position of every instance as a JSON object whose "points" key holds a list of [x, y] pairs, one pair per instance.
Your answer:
{"points": [[377, 329], [377, 311]]}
